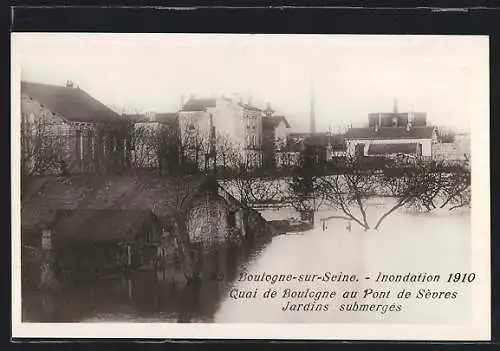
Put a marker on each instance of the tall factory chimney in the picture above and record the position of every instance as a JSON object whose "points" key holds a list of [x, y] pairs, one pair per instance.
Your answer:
{"points": [[312, 117], [395, 105]]}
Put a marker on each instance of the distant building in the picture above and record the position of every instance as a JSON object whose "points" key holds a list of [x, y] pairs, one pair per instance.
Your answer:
{"points": [[392, 134], [389, 141], [396, 118], [275, 129], [202, 119], [65, 130], [155, 140], [321, 146]]}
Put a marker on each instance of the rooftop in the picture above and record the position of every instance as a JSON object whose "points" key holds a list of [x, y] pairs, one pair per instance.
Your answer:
{"points": [[46, 195], [199, 104], [99, 225], [273, 121], [390, 133], [72, 104]]}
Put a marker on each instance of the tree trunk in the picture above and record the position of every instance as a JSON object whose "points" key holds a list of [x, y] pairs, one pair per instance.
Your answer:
{"points": [[185, 251], [394, 208]]}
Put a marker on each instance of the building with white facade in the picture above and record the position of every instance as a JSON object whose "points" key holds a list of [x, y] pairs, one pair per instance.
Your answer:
{"points": [[390, 141], [392, 134], [202, 120]]}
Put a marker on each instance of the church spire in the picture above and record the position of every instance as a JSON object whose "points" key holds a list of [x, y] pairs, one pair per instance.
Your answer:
{"points": [[312, 117]]}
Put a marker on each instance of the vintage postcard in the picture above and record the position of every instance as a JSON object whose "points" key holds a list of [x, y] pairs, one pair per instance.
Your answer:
{"points": [[250, 186]]}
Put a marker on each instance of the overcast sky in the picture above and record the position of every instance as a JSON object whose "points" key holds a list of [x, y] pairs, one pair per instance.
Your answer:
{"points": [[352, 75]]}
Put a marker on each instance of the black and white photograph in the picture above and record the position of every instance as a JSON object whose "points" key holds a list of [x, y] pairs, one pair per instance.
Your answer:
{"points": [[250, 185]]}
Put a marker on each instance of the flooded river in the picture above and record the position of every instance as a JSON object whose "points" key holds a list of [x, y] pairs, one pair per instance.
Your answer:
{"points": [[436, 244]]}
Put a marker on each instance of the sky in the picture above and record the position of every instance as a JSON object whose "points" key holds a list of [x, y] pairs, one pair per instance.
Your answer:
{"points": [[348, 75]]}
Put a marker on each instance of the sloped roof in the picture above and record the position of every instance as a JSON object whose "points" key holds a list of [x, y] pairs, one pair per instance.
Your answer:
{"points": [[273, 121], [98, 225], [167, 117], [163, 117], [73, 104], [202, 104], [385, 149], [318, 138], [390, 133], [106, 192]]}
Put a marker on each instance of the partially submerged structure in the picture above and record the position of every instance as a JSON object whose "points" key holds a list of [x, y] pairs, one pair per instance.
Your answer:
{"points": [[131, 221]]}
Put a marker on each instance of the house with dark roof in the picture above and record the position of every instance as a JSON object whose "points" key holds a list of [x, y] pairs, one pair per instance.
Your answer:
{"points": [[66, 130], [409, 140], [393, 134]]}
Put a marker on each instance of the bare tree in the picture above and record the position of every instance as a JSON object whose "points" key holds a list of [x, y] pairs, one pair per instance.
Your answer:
{"points": [[349, 191], [304, 193], [194, 147], [426, 186], [43, 146]]}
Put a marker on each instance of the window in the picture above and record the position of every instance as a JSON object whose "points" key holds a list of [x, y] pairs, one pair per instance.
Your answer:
{"points": [[254, 140]]}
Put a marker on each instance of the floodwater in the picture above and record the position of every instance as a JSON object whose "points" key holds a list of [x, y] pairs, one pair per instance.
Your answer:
{"points": [[434, 244]]}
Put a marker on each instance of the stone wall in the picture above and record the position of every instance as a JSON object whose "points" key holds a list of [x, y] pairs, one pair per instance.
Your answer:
{"points": [[207, 219]]}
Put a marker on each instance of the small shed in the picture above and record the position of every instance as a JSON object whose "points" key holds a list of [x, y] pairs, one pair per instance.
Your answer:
{"points": [[96, 241]]}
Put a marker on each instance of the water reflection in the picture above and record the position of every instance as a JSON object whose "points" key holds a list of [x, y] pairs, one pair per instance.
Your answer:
{"points": [[438, 243]]}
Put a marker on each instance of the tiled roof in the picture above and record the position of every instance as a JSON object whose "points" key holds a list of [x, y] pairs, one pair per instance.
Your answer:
{"points": [[273, 121], [194, 104], [105, 192], [98, 225], [73, 104], [384, 149], [390, 133]]}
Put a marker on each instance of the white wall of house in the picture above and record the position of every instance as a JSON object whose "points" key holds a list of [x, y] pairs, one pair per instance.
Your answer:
{"points": [[287, 158], [281, 132], [228, 119], [426, 144], [200, 120]]}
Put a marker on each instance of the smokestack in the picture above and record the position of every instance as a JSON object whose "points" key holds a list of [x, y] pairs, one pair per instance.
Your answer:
{"points": [[395, 105], [312, 117]]}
